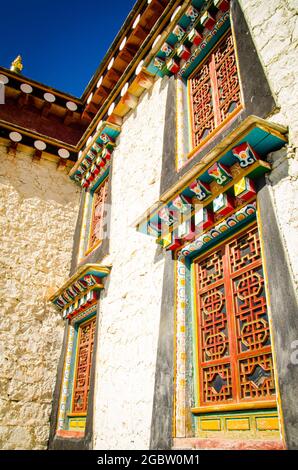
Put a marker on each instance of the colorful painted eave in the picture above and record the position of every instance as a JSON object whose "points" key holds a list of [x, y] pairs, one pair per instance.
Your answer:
{"points": [[123, 59], [239, 156], [193, 31], [80, 290], [121, 67], [95, 159]]}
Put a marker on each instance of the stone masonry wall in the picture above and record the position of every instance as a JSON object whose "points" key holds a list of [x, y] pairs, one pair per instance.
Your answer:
{"points": [[274, 28], [38, 210], [130, 309]]}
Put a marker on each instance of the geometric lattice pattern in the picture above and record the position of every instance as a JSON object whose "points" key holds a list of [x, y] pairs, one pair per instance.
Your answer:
{"points": [[86, 335], [214, 90], [235, 360], [97, 218]]}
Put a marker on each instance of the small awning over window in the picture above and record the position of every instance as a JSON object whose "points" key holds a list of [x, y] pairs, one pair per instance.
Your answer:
{"points": [[221, 183], [81, 290]]}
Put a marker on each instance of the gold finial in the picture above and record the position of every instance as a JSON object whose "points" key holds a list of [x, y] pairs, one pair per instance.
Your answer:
{"points": [[16, 65]]}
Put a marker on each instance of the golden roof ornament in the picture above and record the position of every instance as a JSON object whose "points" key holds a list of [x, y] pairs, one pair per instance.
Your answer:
{"points": [[16, 65]]}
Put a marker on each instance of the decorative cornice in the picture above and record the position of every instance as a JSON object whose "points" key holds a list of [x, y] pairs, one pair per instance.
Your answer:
{"points": [[191, 34], [214, 187], [95, 159], [104, 98], [81, 290]]}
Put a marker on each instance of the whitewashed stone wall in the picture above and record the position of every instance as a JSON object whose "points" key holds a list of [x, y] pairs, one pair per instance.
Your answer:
{"points": [[130, 312], [38, 211], [274, 28]]}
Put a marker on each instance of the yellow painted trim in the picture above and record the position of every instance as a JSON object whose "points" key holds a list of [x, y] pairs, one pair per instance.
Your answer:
{"points": [[91, 248], [257, 405], [266, 424], [83, 227], [96, 245], [210, 425], [195, 336], [73, 415], [238, 424], [189, 117]]}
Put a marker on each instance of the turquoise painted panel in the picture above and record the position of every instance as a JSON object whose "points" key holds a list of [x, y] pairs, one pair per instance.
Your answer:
{"points": [[101, 179], [206, 50]]}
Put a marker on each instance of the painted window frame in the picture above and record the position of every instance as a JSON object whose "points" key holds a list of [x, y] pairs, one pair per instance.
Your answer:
{"points": [[65, 410], [239, 405], [105, 185], [84, 251], [231, 116]]}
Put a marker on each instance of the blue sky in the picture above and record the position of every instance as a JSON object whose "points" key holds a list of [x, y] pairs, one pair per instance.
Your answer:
{"points": [[61, 42]]}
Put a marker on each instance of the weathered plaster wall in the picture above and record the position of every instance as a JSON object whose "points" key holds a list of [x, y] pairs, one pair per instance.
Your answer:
{"points": [[38, 210], [274, 28], [130, 309]]}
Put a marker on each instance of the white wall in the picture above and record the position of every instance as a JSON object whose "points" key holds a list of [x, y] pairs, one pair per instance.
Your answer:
{"points": [[130, 312]]}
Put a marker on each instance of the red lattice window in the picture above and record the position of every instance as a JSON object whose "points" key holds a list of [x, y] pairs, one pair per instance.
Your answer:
{"points": [[234, 347], [214, 91], [86, 333], [97, 216]]}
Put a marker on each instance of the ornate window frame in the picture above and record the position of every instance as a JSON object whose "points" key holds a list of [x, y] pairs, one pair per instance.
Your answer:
{"points": [[186, 150], [70, 423], [77, 300], [252, 417], [213, 77], [102, 186], [85, 249]]}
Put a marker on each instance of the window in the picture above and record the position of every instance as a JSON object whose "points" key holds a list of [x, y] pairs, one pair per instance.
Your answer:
{"points": [[97, 216], [85, 344], [76, 377], [234, 346], [214, 91]]}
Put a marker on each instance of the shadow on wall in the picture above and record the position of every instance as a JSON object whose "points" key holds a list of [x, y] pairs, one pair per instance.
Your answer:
{"points": [[280, 166]]}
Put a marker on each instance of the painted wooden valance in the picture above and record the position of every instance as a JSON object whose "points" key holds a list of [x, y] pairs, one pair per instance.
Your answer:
{"points": [[81, 290], [222, 183], [95, 159], [196, 30]]}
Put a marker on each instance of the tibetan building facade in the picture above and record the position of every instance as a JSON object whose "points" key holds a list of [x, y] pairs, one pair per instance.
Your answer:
{"points": [[149, 245]]}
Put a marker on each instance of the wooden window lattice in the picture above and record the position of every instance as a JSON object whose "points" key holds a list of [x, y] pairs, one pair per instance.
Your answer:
{"points": [[214, 90], [97, 218], [235, 358], [83, 368]]}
